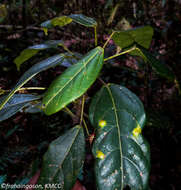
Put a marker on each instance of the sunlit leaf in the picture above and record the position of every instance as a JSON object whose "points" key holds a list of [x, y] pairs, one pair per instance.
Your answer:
{"points": [[122, 154], [57, 21], [64, 159], [61, 21], [74, 82]]}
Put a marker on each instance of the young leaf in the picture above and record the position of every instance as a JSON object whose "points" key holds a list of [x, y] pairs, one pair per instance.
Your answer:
{"points": [[34, 70], [15, 104], [57, 21], [64, 159], [61, 21], [141, 35], [121, 152], [162, 69], [83, 20], [73, 82], [33, 50]]}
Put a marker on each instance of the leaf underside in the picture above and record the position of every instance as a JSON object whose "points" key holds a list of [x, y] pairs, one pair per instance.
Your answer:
{"points": [[15, 104], [74, 82], [34, 70], [64, 20], [64, 159], [126, 159]]}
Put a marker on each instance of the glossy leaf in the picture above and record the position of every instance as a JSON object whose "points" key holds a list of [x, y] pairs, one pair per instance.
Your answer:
{"points": [[15, 104], [33, 50], [83, 20], [141, 35], [64, 159], [34, 70], [74, 82], [162, 69], [121, 152]]}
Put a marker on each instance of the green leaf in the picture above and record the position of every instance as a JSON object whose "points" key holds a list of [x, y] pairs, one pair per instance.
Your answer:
{"points": [[15, 104], [34, 70], [160, 68], [74, 82], [64, 159], [57, 21], [141, 35], [33, 50], [61, 21], [122, 154], [24, 56], [122, 39], [83, 20]]}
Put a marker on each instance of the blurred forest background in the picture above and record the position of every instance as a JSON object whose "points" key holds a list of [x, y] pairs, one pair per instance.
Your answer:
{"points": [[25, 137]]}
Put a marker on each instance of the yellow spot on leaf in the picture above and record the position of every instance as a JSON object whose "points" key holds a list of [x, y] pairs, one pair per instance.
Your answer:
{"points": [[100, 155], [102, 123], [136, 131], [45, 31]]}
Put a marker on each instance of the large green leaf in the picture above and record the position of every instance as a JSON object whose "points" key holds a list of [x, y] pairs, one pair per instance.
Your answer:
{"points": [[141, 35], [162, 69], [33, 50], [15, 104], [83, 20], [34, 70], [121, 151], [73, 82], [64, 159]]}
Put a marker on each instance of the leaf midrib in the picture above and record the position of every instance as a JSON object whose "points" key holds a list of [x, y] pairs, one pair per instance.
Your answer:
{"points": [[117, 124], [69, 81], [68, 150]]}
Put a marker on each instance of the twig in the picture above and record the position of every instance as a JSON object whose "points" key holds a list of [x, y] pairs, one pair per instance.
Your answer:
{"points": [[124, 52]]}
